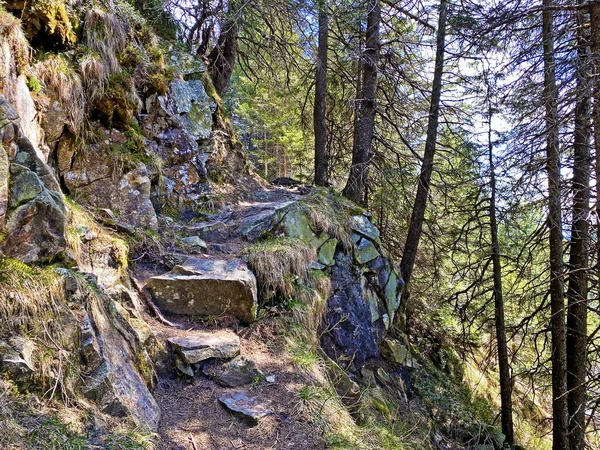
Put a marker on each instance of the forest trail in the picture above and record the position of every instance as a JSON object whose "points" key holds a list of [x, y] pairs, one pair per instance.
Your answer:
{"points": [[192, 416]]}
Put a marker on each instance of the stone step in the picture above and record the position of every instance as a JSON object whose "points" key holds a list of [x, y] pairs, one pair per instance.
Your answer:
{"points": [[207, 287]]}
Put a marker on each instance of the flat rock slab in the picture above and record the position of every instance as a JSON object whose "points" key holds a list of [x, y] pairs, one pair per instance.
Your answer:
{"points": [[207, 287], [244, 407], [203, 345]]}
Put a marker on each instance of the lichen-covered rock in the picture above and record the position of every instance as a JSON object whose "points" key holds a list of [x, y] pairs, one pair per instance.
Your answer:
{"points": [[105, 175], [207, 287], [350, 333], [366, 251], [396, 352], [36, 218], [362, 225]]}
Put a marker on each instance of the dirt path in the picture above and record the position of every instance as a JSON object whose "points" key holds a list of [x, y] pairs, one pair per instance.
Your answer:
{"points": [[190, 408], [192, 417]]}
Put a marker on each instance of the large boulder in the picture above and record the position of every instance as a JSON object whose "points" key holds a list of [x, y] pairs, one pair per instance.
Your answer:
{"points": [[207, 287]]}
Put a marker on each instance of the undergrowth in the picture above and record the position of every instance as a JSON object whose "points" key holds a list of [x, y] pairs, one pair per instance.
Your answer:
{"points": [[26, 423]]}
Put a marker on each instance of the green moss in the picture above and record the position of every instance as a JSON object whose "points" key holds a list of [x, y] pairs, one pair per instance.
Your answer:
{"points": [[34, 84], [54, 18]]}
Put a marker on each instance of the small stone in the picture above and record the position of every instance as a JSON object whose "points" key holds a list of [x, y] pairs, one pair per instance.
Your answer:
{"points": [[383, 375], [194, 241], [316, 265], [205, 345], [270, 379], [184, 368], [369, 376], [239, 372], [244, 407]]}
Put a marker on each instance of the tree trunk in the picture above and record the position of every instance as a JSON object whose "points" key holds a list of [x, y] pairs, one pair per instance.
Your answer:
{"points": [[222, 57], [577, 292], [418, 213], [364, 123], [320, 126], [557, 300], [503, 361]]}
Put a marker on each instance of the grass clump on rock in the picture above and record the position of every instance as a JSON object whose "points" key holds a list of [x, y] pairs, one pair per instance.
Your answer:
{"points": [[278, 263]]}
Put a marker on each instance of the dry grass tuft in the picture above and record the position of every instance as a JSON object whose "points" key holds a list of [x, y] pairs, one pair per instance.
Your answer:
{"points": [[330, 214], [11, 31], [107, 35], [279, 263], [95, 75], [58, 75]]}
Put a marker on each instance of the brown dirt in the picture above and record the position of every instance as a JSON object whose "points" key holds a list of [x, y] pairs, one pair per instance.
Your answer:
{"points": [[190, 409]]}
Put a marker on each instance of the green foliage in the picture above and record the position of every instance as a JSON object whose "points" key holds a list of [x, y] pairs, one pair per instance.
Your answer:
{"points": [[34, 84]]}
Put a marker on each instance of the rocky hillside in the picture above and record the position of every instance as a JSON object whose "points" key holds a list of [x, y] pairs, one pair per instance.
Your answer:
{"points": [[156, 293]]}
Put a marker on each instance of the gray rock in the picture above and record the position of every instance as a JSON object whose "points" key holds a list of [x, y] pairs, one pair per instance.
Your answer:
{"points": [[15, 357], [244, 407], [350, 333], [366, 251], [36, 229], [102, 176], [185, 63], [25, 185], [4, 174], [238, 372], [207, 287], [327, 252], [206, 345], [116, 384], [194, 241], [363, 225]]}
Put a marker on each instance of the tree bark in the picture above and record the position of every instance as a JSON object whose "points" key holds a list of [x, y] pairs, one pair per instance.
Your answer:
{"points": [[557, 300], [503, 361], [320, 126], [418, 213], [577, 293], [364, 123], [222, 57]]}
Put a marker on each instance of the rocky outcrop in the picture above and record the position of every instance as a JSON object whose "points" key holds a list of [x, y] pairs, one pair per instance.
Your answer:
{"points": [[110, 175], [113, 357], [31, 206], [207, 287], [178, 127]]}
